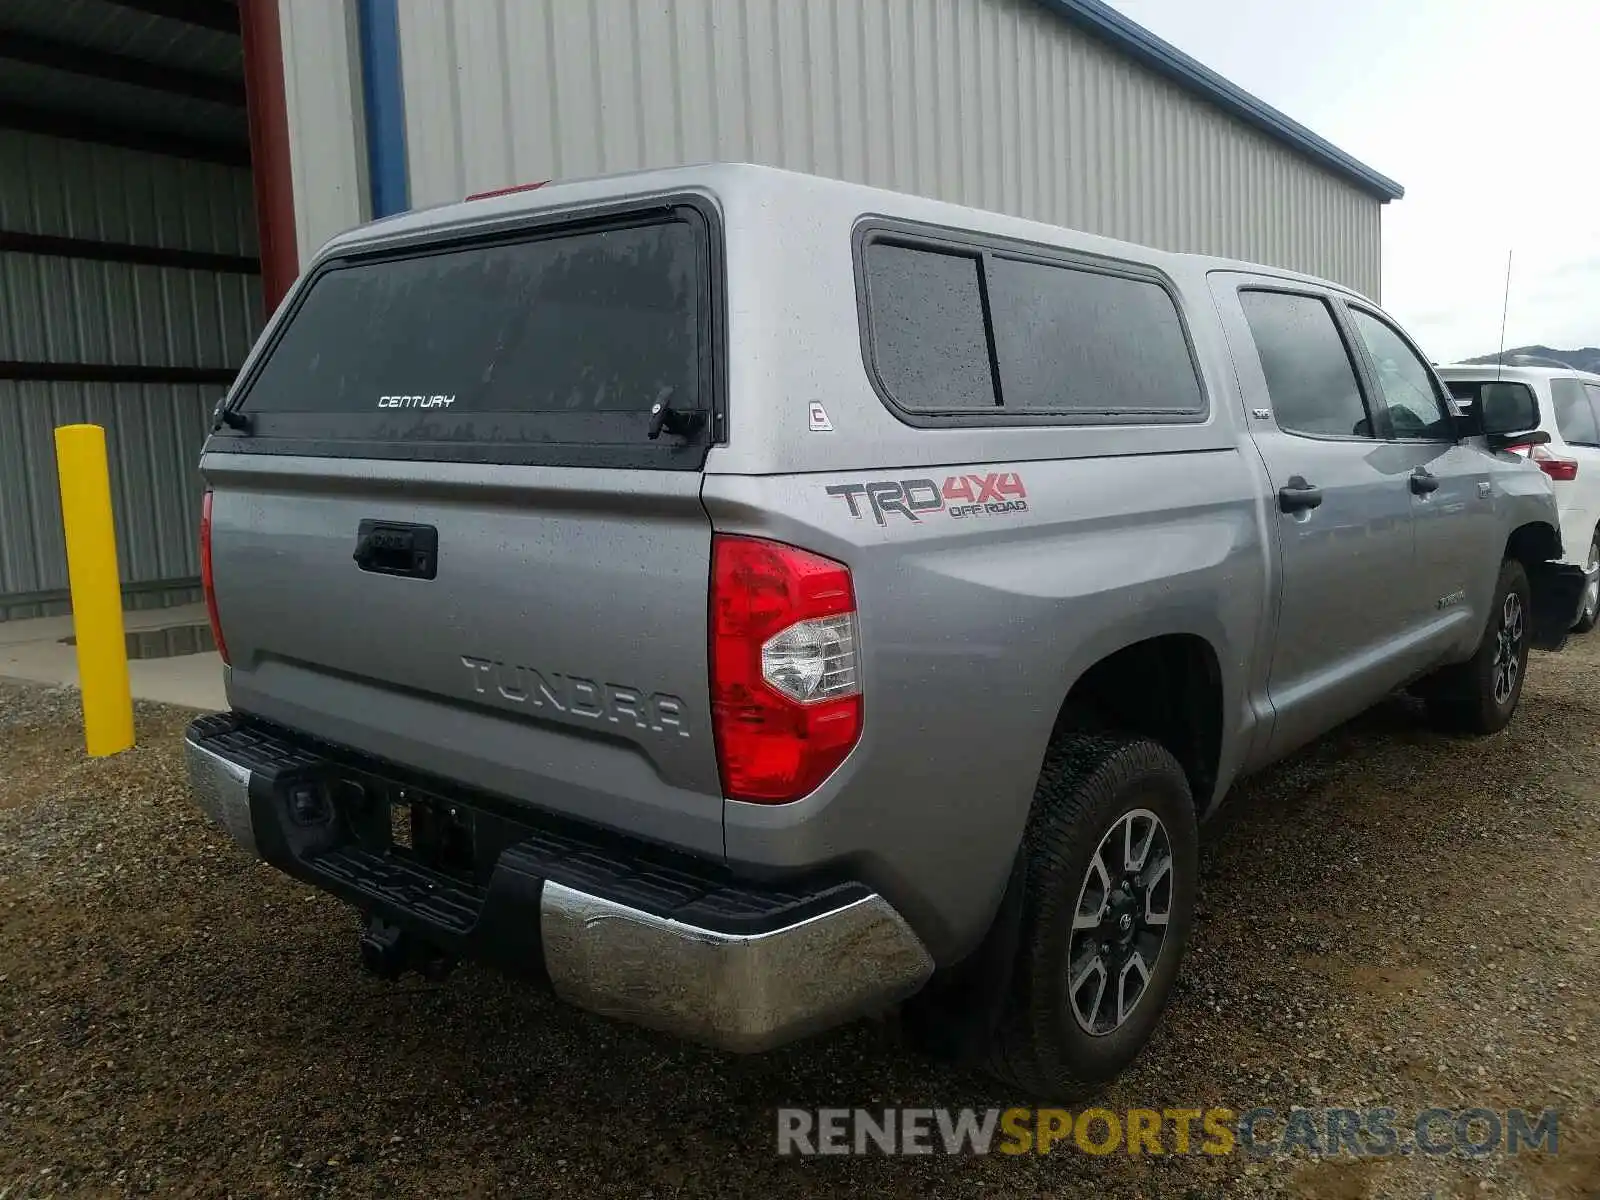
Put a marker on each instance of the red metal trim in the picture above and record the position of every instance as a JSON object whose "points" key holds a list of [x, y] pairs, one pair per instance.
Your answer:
{"points": [[269, 147]]}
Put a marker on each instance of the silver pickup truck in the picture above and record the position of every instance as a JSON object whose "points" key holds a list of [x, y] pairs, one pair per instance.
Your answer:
{"points": [[747, 601]]}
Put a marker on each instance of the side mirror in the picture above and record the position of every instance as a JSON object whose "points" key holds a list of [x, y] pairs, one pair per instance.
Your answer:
{"points": [[1508, 408], [1507, 412]]}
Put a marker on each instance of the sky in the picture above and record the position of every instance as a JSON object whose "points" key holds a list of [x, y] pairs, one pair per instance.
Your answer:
{"points": [[1486, 111]]}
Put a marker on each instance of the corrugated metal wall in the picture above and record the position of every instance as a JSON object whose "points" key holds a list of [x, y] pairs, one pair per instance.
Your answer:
{"points": [[993, 103], [65, 310], [322, 91]]}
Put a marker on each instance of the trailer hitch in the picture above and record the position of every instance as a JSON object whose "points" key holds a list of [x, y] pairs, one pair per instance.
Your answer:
{"points": [[388, 952]]}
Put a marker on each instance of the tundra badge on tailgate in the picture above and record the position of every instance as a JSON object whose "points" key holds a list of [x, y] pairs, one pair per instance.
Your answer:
{"points": [[571, 694]]}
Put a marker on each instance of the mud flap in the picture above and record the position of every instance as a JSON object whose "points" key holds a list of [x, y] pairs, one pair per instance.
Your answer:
{"points": [[955, 1015], [1557, 596]]}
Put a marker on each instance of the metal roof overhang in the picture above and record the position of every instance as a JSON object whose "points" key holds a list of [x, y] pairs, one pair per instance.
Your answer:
{"points": [[1101, 21], [165, 76]]}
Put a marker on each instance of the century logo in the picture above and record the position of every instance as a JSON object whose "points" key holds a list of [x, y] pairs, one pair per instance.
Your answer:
{"points": [[417, 401]]}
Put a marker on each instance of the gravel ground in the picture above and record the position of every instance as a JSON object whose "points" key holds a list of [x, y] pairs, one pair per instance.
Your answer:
{"points": [[1389, 918]]}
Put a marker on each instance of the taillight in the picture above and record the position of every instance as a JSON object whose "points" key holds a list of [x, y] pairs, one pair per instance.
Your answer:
{"points": [[785, 675], [1558, 467], [205, 575]]}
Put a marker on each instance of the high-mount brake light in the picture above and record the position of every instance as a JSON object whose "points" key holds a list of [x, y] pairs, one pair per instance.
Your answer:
{"points": [[506, 191]]}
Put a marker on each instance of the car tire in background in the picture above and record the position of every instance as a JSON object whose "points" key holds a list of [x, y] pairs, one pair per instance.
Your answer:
{"points": [[1109, 874], [1480, 695], [1591, 597]]}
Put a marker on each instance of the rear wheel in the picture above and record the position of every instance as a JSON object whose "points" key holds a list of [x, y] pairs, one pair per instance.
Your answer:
{"points": [[1590, 612], [1108, 898], [1480, 695]]}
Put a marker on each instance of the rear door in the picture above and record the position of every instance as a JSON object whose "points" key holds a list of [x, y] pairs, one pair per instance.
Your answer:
{"points": [[447, 538], [1342, 511]]}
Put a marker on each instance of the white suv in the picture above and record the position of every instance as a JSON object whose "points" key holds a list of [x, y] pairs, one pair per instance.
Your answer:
{"points": [[1569, 410]]}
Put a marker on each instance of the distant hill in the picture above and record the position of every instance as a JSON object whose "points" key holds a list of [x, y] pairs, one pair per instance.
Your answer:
{"points": [[1587, 359]]}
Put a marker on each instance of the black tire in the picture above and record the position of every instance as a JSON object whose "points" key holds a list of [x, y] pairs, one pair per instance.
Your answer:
{"points": [[1591, 611], [1089, 785], [1473, 697]]}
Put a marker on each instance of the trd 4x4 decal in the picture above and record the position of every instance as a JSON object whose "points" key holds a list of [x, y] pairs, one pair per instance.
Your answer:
{"points": [[961, 496]]}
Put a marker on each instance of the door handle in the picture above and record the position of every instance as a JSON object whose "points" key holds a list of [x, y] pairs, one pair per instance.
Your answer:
{"points": [[1423, 482], [1298, 496], [396, 548]]}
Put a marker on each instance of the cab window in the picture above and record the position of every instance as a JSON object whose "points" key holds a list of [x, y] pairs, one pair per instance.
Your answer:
{"points": [[1406, 387]]}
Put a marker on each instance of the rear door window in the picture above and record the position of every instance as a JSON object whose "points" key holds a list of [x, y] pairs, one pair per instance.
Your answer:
{"points": [[1575, 416], [549, 347], [1594, 399], [1311, 378]]}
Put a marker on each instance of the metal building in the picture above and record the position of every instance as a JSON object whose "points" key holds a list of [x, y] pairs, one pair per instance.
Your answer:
{"points": [[134, 134], [129, 279]]}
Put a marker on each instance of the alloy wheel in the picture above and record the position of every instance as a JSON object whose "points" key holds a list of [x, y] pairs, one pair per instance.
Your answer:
{"points": [[1508, 649], [1119, 925], [1591, 591]]}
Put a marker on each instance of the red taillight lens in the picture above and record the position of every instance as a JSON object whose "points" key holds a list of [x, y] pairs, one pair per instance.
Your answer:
{"points": [[1559, 468], [205, 575], [785, 677], [1554, 465]]}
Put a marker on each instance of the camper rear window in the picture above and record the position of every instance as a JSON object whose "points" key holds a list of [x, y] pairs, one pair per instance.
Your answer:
{"points": [[553, 348]]}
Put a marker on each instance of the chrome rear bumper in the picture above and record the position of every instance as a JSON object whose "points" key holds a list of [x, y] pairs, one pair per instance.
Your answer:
{"points": [[221, 788], [736, 991]]}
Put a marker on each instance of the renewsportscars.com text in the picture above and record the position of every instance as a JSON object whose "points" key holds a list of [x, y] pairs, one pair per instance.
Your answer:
{"points": [[1358, 1132]]}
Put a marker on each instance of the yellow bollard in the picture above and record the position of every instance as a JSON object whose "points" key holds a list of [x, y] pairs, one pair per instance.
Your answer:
{"points": [[96, 588]]}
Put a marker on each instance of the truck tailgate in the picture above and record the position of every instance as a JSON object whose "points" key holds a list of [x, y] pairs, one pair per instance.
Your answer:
{"points": [[557, 656]]}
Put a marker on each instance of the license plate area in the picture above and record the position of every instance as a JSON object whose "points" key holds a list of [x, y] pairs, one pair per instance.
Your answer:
{"points": [[432, 831], [332, 807]]}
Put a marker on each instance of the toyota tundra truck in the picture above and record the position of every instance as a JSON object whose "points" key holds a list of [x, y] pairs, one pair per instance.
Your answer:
{"points": [[746, 601]]}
